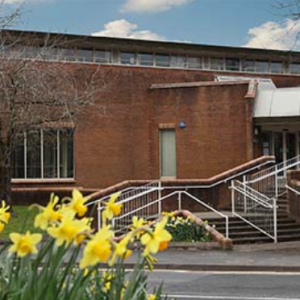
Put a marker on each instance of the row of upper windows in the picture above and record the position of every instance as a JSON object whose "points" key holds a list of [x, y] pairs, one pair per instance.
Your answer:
{"points": [[156, 60]]}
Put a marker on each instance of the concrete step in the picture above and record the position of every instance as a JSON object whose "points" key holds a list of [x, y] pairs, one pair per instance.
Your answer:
{"points": [[248, 228]]}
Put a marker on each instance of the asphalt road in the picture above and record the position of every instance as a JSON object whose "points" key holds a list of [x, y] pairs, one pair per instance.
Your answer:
{"points": [[184, 285]]}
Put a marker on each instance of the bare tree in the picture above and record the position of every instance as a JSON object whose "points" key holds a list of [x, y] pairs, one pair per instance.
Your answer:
{"points": [[36, 92]]}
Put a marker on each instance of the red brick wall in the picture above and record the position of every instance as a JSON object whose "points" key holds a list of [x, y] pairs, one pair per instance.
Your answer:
{"points": [[118, 138]]}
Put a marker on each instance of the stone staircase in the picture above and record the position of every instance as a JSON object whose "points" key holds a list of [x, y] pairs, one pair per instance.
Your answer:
{"points": [[242, 233]]}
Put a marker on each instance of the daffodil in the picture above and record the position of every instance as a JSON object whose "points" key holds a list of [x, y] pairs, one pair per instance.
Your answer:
{"points": [[152, 297], [153, 240], [24, 244], [77, 203], [121, 249], [4, 214], [112, 209], [48, 214], [136, 224], [98, 249], [1, 227], [68, 229]]}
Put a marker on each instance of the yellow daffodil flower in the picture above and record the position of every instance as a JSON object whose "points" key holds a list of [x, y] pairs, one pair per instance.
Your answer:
{"points": [[121, 249], [24, 244], [153, 240], [151, 297], [77, 203], [48, 214], [4, 214], [112, 209], [98, 249], [1, 227], [138, 223], [68, 229]]}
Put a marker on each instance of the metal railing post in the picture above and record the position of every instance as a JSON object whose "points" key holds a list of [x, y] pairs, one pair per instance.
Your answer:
{"points": [[227, 227], [159, 198], [232, 197], [276, 183], [275, 219], [245, 197], [179, 201], [99, 215]]}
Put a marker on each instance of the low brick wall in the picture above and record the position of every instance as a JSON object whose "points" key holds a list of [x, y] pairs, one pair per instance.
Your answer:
{"points": [[293, 181]]}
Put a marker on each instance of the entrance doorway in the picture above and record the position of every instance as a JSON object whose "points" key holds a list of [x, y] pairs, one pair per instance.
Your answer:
{"points": [[284, 144]]}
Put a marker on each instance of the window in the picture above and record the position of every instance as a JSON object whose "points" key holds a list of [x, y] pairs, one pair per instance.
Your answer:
{"points": [[162, 60], [295, 68], [67, 54], [178, 62], [127, 58], [145, 59], [217, 63], [102, 57], [262, 66], [276, 67], [85, 55], [248, 65], [194, 62], [232, 64], [267, 143], [47, 153], [49, 53]]}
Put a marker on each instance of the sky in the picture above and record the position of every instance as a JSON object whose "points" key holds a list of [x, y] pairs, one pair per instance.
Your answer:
{"points": [[249, 23]]}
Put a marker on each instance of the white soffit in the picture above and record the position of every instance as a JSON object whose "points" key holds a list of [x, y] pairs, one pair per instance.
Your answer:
{"points": [[281, 102]]}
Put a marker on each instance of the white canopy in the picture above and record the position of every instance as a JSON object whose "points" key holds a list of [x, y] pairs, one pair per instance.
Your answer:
{"points": [[277, 102]]}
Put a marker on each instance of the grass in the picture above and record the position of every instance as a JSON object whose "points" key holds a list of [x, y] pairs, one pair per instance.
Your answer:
{"points": [[22, 218]]}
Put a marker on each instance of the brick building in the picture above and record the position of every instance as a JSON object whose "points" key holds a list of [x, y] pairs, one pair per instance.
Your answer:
{"points": [[174, 110]]}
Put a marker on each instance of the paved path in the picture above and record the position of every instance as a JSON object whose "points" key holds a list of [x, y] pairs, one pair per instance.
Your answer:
{"points": [[283, 260], [227, 286]]}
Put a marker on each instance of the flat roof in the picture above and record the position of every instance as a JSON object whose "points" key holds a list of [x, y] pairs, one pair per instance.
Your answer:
{"points": [[139, 44]]}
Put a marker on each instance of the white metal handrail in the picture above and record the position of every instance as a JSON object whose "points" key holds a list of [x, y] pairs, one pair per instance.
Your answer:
{"points": [[278, 168], [292, 189], [260, 214], [128, 192], [157, 204], [244, 188]]}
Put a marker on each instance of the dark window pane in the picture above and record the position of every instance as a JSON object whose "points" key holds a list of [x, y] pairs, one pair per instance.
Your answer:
{"points": [[30, 52], [262, 66], [178, 62], [85, 55], [217, 63], [67, 54], [277, 67], [127, 58], [50, 153], [145, 59], [295, 68], [102, 57], [267, 143], [66, 151], [162, 60], [33, 145], [232, 64], [49, 53], [248, 65], [18, 159], [194, 62]]}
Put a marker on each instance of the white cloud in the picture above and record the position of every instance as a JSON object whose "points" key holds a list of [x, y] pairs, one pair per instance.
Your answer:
{"points": [[152, 5], [272, 35], [124, 29]]}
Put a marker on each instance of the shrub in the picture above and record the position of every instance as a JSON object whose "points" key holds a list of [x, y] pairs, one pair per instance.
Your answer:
{"points": [[186, 230]]}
